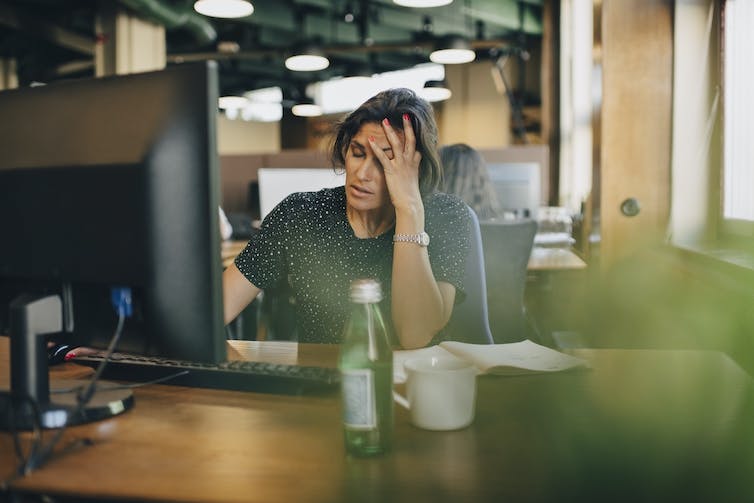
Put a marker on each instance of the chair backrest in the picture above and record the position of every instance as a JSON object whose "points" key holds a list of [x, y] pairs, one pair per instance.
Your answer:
{"points": [[507, 246], [469, 321]]}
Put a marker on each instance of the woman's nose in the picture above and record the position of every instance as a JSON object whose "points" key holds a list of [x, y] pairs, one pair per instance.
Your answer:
{"points": [[365, 169]]}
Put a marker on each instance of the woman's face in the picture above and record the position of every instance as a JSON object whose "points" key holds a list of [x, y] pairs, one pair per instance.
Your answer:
{"points": [[365, 179]]}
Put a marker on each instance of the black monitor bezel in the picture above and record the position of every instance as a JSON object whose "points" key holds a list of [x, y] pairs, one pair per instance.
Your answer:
{"points": [[164, 242]]}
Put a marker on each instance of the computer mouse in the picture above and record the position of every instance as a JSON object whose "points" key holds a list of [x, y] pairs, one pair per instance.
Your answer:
{"points": [[56, 353]]}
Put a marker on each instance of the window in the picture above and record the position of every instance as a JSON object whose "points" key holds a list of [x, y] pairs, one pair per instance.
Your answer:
{"points": [[713, 124], [738, 117]]}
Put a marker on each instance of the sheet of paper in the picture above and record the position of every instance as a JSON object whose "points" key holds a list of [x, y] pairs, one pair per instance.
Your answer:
{"points": [[514, 358]]}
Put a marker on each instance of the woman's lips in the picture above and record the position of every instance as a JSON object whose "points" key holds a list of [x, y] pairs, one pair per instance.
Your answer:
{"points": [[360, 191]]}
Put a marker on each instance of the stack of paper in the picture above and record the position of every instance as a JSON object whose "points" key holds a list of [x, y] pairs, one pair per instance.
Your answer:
{"points": [[515, 358]]}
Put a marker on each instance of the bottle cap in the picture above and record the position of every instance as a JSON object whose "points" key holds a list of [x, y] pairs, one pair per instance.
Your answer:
{"points": [[365, 291]]}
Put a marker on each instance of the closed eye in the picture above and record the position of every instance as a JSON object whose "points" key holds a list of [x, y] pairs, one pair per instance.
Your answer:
{"points": [[357, 150]]}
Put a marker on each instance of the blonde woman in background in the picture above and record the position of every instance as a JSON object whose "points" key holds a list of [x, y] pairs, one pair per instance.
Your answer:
{"points": [[465, 175]]}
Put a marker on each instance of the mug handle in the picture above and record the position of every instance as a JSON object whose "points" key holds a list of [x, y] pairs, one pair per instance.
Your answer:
{"points": [[401, 400]]}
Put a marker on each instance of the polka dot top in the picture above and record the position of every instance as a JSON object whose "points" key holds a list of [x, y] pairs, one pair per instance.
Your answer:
{"points": [[308, 241]]}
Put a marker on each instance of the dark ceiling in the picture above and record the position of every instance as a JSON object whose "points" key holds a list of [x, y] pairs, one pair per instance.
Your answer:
{"points": [[54, 39]]}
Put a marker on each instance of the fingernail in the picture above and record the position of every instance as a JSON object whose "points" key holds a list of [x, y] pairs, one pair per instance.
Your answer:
{"points": [[385, 121], [371, 138], [405, 117], [70, 355]]}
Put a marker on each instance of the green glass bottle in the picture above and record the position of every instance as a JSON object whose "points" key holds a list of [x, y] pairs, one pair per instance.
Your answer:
{"points": [[366, 365]]}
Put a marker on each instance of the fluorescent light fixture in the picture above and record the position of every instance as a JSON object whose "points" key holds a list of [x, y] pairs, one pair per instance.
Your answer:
{"points": [[232, 102], [306, 63], [421, 4], [306, 110], [261, 105], [265, 95], [453, 50], [346, 94], [308, 58], [262, 112], [224, 8], [434, 90]]}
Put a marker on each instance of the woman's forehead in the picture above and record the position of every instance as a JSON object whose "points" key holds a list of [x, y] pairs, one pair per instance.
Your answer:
{"points": [[373, 129]]}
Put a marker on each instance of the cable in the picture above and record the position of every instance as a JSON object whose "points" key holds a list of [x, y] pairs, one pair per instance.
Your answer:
{"points": [[36, 426], [121, 299], [147, 383], [124, 386]]}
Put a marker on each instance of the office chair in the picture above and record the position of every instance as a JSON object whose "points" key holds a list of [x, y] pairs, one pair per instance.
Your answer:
{"points": [[507, 245], [469, 321]]}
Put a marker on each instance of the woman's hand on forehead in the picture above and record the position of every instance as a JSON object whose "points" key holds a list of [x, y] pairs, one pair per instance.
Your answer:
{"points": [[402, 168]]}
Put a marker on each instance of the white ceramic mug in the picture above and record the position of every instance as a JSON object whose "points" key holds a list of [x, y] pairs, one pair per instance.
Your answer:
{"points": [[441, 392]]}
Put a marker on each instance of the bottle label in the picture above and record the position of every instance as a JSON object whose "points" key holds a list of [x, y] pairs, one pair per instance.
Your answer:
{"points": [[359, 408]]}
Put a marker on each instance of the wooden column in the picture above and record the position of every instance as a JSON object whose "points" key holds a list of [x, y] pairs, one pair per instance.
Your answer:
{"points": [[550, 79], [637, 45], [8, 74], [126, 43]]}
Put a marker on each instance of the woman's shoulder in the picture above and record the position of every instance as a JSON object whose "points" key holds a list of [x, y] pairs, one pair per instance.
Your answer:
{"points": [[333, 193], [440, 202], [306, 210], [446, 215], [305, 202]]}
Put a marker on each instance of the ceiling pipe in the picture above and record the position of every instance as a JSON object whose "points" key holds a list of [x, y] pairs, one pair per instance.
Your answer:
{"points": [[334, 49], [173, 17], [22, 20]]}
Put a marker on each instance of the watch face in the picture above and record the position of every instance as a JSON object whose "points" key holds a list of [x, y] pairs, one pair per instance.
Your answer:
{"points": [[424, 239]]}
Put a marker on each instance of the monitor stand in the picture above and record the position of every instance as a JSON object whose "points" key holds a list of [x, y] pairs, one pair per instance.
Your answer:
{"points": [[30, 404]]}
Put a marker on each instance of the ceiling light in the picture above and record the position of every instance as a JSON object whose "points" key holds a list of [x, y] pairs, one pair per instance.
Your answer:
{"points": [[262, 112], [232, 102], [435, 90], [453, 50], [346, 94], [308, 58], [265, 95], [224, 8], [422, 3], [306, 108]]}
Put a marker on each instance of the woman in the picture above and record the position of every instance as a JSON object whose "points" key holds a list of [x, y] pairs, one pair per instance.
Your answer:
{"points": [[376, 226], [465, 175]]}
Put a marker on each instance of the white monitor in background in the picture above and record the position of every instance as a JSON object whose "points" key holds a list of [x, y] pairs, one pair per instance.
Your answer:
{"points": [[275, 184], [517, 185]]}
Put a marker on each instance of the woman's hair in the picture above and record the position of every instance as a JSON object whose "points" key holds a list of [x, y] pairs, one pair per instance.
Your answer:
{"points": [[392, 104], [465, 175]]}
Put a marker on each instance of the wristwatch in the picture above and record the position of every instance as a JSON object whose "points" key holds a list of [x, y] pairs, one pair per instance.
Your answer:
{"points": [[422, 239]]}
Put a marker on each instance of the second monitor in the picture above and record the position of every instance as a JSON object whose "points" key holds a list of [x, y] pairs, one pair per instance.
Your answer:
{"points": [[275, 184], [517, 185]]}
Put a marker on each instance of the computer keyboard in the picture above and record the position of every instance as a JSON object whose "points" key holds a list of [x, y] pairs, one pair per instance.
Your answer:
{"points": [[256, 376]]}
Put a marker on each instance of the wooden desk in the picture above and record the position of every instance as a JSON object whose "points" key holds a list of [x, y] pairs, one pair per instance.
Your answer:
{"points": [[555, 289], [554, 259], [641, 426]]}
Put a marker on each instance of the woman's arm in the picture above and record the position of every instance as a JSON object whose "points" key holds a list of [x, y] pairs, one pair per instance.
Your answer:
{"points": [[421, 306], [238, 292]]}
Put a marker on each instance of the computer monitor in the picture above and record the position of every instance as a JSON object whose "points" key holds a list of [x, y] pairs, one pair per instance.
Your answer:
{"points": [[114, 182], [275, 184], [517, 185]]}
